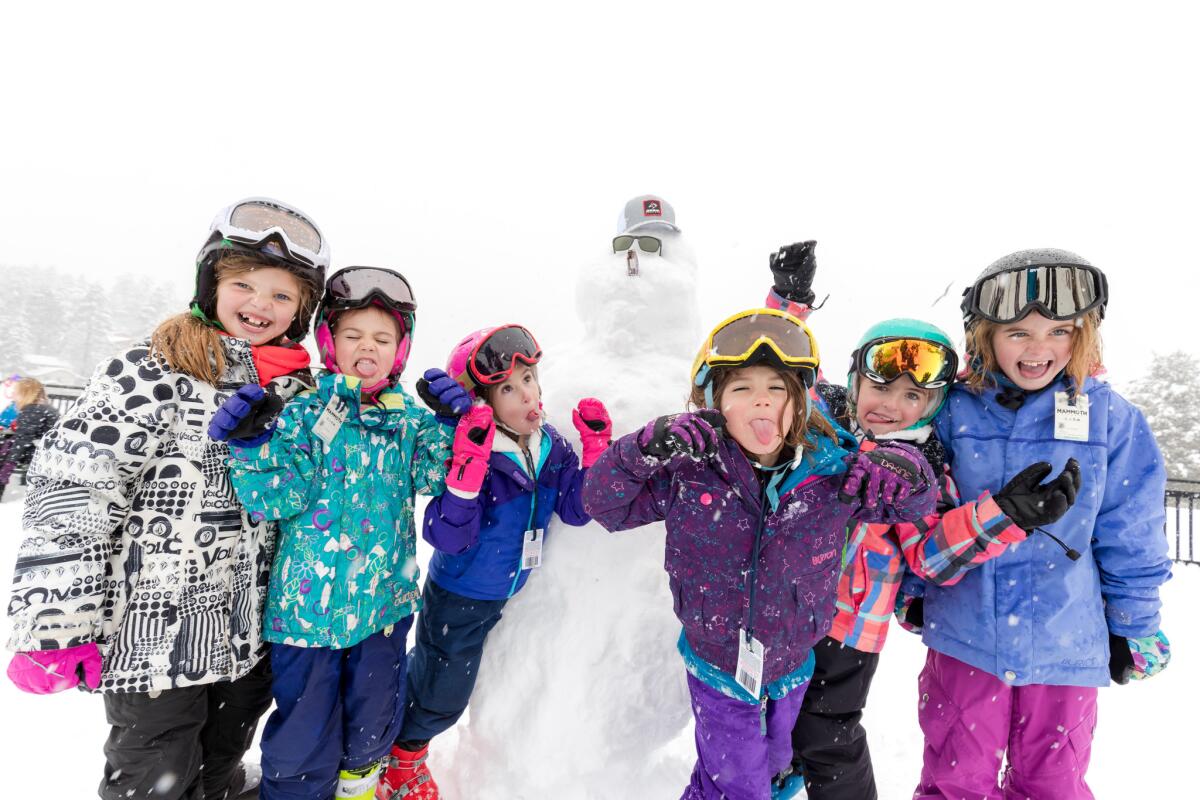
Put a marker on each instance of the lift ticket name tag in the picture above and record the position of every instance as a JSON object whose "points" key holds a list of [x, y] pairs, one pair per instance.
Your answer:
{"points": [[1070, 418], [749, 663], [531, 550], [330, 421]]}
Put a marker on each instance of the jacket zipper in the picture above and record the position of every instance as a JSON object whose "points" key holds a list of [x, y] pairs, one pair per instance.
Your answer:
{"points": [[532, 516]]}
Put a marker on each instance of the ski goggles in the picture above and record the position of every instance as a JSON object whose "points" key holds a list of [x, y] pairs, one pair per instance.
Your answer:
{"points": [[254, 221], [1060, 292], [496, 356], [648, 244], [758, 335], [930, 365], [355, 287]]}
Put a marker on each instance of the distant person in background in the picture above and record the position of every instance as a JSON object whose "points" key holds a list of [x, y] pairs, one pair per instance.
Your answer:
{"points": [[34, 416], [8, 414]]}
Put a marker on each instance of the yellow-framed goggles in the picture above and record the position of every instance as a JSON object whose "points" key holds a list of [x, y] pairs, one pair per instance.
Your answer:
{"points": [[759, 336]]}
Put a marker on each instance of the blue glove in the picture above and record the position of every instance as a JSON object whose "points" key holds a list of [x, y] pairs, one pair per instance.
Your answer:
{"points": [[443, 395], [247, 418]]}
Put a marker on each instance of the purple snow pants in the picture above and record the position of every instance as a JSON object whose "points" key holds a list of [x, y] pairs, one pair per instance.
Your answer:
{"points": [[972, 720], [734, 760]]}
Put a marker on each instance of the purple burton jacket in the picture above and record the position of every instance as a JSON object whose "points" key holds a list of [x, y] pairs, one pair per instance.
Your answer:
{"points": [[713, 510]]}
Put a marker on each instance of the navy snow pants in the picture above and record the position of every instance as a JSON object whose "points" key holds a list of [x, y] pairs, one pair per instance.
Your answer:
{"points": [[444, 662], [334, 710]]}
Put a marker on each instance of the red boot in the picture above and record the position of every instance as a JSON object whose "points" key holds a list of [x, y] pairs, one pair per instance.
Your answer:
{"points": [[406, 777]]}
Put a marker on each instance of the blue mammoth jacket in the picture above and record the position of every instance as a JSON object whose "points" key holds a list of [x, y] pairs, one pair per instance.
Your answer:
{"points": [[479, 541], [1031, 615]]}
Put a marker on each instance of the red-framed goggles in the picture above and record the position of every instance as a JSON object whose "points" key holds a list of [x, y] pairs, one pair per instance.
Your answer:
{"points": [[355, 287], [496, 356], [1059, 291], [255, 220], [929, 364]]}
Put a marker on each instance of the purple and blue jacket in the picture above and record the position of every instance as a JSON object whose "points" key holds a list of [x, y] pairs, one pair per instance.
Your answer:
{"points": [[478, 541], [719, 517]]}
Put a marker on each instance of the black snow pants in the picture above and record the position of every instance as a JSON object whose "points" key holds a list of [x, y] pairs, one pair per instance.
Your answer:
{"points": [[182, 744], [828, 742]]}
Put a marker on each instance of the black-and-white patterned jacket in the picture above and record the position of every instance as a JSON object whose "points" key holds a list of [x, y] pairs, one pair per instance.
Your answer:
{"points": [[135, 537]]}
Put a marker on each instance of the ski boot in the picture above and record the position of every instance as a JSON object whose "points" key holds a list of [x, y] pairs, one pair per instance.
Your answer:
{"points": [[788, 785], [244, 783], [358, 784], [406, 777]]}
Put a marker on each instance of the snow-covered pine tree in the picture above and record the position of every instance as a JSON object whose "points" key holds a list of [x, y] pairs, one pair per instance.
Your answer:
{"points": [[1169, 394]]}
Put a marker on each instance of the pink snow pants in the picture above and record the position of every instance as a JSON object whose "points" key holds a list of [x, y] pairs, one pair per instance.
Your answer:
{"points": [[972, 720]]}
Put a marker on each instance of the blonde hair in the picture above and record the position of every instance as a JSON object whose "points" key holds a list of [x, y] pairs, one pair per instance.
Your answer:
{"points": [[27, 392], [192, 346], [804, 422], [1086, 352]]}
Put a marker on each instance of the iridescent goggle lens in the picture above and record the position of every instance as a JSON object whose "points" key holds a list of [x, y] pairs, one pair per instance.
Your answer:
{"points": [[735, 342], [255, 218], [496, 356], [649, 244], [929, 364], [1060, 292], [354, 286]]}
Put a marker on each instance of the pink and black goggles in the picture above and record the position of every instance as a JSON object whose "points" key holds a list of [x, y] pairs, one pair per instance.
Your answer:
{"points": [[355, 287], [495, 357]]}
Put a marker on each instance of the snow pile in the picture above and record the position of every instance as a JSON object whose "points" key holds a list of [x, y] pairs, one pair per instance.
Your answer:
{"points": [[581, 691]]}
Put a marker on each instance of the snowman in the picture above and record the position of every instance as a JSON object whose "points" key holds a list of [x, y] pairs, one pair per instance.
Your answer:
{"points": [[580, 692]]}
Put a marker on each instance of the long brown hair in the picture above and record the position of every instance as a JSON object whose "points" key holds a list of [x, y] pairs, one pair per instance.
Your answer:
{"points": [[803, 424], [192, 346], [1086, 352], [28, 391]]}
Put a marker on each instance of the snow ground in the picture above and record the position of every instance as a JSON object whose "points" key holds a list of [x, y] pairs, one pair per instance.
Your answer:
{"points": [[1143, 742]]}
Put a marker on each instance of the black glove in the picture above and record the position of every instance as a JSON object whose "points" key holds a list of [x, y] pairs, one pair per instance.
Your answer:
{"points": [[690, 434], [794, 267], [1029, 503], [1120, 659]]}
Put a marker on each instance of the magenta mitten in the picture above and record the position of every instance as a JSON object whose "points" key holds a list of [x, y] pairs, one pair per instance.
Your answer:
{"points": [[50, 671], [595, 428], [472, 448]]}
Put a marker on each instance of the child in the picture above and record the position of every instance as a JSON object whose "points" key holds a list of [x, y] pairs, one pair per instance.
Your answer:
{"points": [[1018, 647], [487, 528], [750, 495], [142, 575], [34, 417], [341, 473], [899, 375]]}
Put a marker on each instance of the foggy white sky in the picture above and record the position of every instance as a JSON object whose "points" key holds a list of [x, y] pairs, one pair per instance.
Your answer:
{"points": [[485, 149]]}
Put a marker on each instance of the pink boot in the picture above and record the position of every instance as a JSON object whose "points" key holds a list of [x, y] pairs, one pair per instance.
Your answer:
{"points": [[406, 777]]}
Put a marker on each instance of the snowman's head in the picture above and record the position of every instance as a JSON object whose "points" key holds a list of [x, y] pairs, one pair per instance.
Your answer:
{"points": [[652, 307]]}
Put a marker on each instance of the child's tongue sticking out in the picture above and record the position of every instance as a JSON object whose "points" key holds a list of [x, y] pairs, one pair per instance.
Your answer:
{"points": [[765, 430], [366, 368]]}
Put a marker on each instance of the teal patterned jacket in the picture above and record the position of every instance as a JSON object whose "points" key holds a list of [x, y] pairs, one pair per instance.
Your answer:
{"points": [[345, 565]]}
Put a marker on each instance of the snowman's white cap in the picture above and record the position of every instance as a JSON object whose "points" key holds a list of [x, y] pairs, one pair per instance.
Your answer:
{"points": [[646, 211]]}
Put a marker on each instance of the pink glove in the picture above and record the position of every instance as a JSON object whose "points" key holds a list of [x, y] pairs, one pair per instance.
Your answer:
{"points": [[50, 671], [472, 448], [595, 428]]}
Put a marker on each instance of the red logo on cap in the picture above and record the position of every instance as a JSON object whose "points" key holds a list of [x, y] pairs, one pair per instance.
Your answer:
{"points": [[651, 208]]}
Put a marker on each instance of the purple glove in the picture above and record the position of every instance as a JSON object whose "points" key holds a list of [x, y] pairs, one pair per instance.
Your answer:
{"points": [[247, 418], [446, 399], [690, 434], [883, 475], [50, 671]]}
